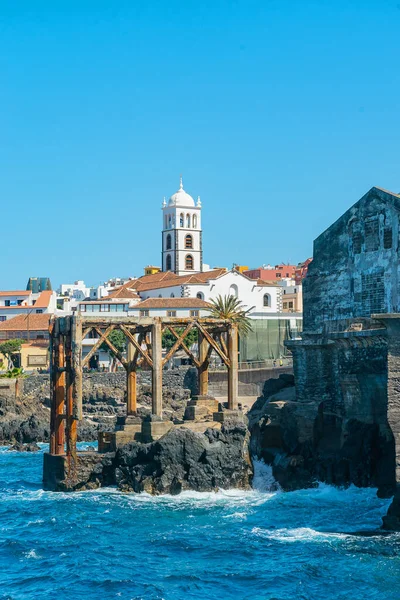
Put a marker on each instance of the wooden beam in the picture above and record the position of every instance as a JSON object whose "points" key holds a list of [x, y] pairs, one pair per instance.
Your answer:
{"points": [[59, 397], [76, 359], [214, 344], [204, 348], [117, 353], [178, 342], [136, 344], [185, 348], [156, 342], [233, 368], [131, 380], [96, 345]]}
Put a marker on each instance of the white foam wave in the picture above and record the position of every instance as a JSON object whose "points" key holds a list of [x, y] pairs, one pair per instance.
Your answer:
{"points": [[263, 479], [297, 534], [31, 554]]}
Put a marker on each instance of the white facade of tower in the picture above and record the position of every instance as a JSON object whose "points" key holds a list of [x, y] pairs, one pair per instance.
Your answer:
{"points": [[182, 250]]}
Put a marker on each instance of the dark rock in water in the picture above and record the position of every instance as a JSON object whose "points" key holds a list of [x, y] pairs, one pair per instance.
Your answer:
{"points": [[305, 443], [18, 447], [391, 521], [185, 460], [180, 460]]}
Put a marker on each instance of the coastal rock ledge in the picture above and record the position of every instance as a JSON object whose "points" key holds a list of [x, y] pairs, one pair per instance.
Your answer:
{"points": [[179, 461]]}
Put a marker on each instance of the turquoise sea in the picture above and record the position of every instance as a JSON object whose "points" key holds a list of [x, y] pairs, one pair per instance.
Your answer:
{"points": [[229, 545]]}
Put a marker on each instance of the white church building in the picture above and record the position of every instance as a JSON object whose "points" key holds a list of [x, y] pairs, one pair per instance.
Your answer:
{"points": [[185, 285]]}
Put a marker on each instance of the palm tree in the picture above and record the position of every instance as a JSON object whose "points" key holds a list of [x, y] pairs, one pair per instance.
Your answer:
{"points": [[231, 309]]}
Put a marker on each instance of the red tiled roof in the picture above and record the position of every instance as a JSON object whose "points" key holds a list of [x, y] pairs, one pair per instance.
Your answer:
{"points": [[16, 293], [171, 280], [33, 322], [44, 299], [173, 303], [123, 293]]}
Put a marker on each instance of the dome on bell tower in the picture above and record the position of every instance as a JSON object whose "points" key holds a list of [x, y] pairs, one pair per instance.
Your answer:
{"points": [[181, 198]]}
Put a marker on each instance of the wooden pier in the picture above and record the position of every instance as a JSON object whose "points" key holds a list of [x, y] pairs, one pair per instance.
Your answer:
{"points": [[144, 350]]}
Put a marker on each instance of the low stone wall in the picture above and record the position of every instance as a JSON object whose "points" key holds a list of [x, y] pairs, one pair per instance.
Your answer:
{"points": [[251, 381]]}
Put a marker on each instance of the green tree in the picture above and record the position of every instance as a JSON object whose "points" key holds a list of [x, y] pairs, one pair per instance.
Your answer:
{"points": [[168, 339], [9, 349], [231, 309]]}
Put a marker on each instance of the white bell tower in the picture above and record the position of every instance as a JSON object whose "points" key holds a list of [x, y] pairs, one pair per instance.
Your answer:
{"points": [[182, 250]]}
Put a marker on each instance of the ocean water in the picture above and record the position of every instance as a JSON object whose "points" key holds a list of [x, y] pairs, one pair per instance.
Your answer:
{"points": [[230, 545]]}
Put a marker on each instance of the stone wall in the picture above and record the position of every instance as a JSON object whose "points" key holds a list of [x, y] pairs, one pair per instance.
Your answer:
{"points": [[355, 271], [251, 381]]}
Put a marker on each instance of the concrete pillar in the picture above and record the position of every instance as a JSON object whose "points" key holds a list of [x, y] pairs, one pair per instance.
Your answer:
{"points": [[203, 370], [156, 344], [131, 381], [233, 369]]}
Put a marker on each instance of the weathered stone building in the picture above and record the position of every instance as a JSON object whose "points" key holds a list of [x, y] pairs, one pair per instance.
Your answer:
{"points": [[347, 364]]}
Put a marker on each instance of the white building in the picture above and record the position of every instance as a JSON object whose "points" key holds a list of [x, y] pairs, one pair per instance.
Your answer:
{"points": [[182, 250], [13, 303]]}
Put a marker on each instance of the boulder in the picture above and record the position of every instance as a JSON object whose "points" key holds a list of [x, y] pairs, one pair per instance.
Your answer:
{"points": [[184, 460]]}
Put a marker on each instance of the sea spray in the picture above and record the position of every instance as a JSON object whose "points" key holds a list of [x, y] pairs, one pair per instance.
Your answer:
{"points": [[263, 479]]}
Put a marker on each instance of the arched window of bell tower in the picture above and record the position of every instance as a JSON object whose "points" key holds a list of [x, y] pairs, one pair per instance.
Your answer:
{"points": [[189, 262], [168, 263], [169, 244], [188, 221], [188, 241], [169, 221], [181, 220], [194, 221]]}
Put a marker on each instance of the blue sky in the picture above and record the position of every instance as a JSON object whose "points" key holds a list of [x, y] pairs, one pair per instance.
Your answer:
{"points": [[279, 114]]}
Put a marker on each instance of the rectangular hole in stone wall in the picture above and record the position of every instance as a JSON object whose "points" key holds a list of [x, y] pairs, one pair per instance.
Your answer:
{"points": [[387, 238], [372, 293], [371, 235]]}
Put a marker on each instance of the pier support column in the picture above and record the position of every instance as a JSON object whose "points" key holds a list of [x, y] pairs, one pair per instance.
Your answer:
{"points": [[131, 381], [71, 423], [59, 428], [156, 344], [233, 368], [203, 370]]}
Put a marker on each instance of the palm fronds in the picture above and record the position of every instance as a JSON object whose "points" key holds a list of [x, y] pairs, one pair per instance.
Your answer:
{"points": [[231, 309]]}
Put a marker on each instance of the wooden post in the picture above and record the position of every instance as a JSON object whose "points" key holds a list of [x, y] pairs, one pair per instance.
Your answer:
{"points": [[156, 345], [76, 336], [52, 390], [203, 370], [71, 423], [131, 381], [233, 368], [59, 394]]}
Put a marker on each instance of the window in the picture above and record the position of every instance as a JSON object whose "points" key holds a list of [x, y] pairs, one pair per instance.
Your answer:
{"points": [[200, 295], [7, 303], [188, 241], [144, 313], [169, 241], [2, 318], [278, 275], [172, 295], [171, 313], [287, 274], [168, 262], [189, 262], [39, 311], [233, 291], [295, 290], [83, 307], [194, 313], [160, 295], [284, 291], [181, 220], [19, 302], [285, 305], [166, 222], [188, 221], [194, 221], [169, 222], [267, 300], [290, 304], [104, 308]]}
